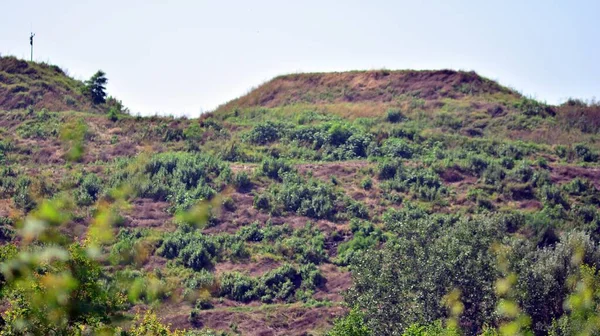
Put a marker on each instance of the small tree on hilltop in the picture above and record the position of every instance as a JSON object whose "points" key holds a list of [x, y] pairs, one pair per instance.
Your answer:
{"points": [[96, 87]]}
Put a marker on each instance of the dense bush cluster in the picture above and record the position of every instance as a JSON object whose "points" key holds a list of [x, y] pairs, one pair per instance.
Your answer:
{"points": [[194, 249], [181, 178], [424, 184], [280, 284], [266, 133], [310, 197], [89, 190], [433, 255]]}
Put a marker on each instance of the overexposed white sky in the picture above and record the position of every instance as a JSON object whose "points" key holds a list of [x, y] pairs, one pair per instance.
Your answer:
{"points": [[183, 57]]}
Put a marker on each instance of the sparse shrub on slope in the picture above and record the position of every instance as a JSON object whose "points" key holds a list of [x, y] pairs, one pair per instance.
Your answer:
{"points": [[195, 250], [279, 284], [387, 169], [365, 237], [242, 182], [533, 108], [274, 168], [394, 116], [423, 183], [398, 148], [129, 247], [181, 178], [22, 196], [306, 245], [585, 153], [89, 190], [578, 114], [266, 132], [238, 287], [45, 125], [309, 198]]}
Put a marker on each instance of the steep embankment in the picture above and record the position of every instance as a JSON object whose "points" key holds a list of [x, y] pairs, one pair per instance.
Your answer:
{"points": [[39, 85]]}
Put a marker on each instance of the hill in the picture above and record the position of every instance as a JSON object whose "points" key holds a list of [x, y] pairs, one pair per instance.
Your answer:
{"points": [[381, 86], [397, 193], [38, 85]]}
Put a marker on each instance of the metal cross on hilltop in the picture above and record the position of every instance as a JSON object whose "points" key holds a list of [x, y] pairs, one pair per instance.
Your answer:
{"points": [[31, 44]]}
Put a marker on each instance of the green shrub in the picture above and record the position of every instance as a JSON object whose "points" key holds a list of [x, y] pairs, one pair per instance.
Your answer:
{"points": [[513, 151], [394, 116], [541, 178], [360, 242], [561, 151], [398, 148], [229, 204], [309, 198], [446, 120], [8, 178], [387, 169], [519, 191], [493, 174], [352, 324], [7, 231], [578, 186], [274, 169], [477, 164], [542, 162], [279, 284], [357, 209], [338, 134], [589, 216], [89, 190], [203, 303], [356, 146], [424, 183], [523, 173], [532, 108], [366, 183], [312, 136], [183, 179], [22, 196], [552, 195], [113, 114], [173, 134], [428, 258], [238, 287], [266, 132], [585, 153], [128, 247], [242, 182], [251, 233], [262, 202], [305, 246], [311, 276], [195, 250]]}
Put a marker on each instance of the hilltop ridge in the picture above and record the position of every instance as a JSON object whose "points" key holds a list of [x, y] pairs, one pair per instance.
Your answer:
{"points": [[376, 86], [26, 84]]}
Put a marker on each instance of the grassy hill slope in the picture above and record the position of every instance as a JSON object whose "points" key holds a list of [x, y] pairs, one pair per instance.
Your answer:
{"points": [[381, 86], [38, 85], [314, 180]]}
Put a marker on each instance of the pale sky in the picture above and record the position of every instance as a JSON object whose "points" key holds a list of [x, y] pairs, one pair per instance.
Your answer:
{"points": [[184, 57]]}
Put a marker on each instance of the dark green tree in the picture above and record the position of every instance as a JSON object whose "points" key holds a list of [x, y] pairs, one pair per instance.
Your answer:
{"points": [[406, 281], [96, 87]]}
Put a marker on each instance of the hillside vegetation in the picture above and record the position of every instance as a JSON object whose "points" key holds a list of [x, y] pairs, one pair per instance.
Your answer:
{"points": [[39, 86], [358, 203]]}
